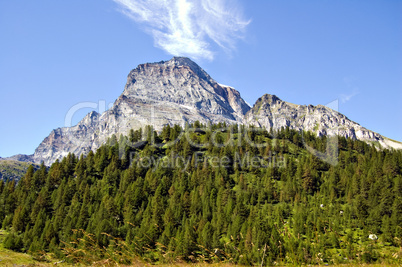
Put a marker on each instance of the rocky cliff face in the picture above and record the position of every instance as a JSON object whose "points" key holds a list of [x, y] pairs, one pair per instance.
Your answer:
{"points": [[271, 112], [179, 91], [172, 92], [182, 85], [79, 139]]}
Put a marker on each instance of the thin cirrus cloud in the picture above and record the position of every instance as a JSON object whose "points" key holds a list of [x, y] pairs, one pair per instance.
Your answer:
{"points": [[349, 81], [189, 27], [346, 97]]}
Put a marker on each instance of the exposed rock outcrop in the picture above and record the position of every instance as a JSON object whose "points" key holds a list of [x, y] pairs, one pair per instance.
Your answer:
{"points": [[168, 92], [179, 91], [271, 112]]}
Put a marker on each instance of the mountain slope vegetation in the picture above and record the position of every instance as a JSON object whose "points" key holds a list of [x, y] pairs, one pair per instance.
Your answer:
{"points": [[212, 193], [14, 170]]}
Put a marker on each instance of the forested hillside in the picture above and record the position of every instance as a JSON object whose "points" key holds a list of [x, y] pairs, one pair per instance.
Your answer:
{"points": [[13, 169], [212, 193]]}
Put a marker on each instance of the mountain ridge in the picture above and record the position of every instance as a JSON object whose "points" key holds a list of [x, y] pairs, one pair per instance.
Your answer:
{"points": [[179, 91]]}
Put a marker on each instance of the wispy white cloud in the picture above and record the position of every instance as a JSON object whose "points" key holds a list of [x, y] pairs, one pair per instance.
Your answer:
{"points": [[346, 97], [349, 81], [189, 27]]}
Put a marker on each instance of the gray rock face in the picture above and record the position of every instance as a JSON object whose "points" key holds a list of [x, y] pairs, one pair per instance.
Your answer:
{"points": [[172, 92], [181, 84], [271, 112], [179, 91], [79, 139]]}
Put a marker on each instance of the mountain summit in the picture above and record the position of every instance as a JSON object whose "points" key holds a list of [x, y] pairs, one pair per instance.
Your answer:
{"points": [[167, 92], [179, 91], [180, 85]]}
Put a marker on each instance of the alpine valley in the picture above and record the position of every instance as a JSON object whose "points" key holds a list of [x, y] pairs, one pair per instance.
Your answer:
{"points": [[178, 91]]}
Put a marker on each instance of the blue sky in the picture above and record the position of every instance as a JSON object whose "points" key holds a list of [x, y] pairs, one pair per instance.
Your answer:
{"points": [[56, 54]]}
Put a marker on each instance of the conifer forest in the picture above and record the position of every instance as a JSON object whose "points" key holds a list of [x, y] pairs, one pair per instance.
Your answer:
{"points": [[212, 193]]}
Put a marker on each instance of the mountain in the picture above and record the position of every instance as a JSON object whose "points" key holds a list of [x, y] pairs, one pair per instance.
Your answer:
{"points": [[179, 91], [271, 112], [20, 157], [168, 92]]}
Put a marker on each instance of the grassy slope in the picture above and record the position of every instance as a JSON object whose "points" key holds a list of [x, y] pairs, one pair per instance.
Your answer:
{"points": [[12, 169], [9, 257]]}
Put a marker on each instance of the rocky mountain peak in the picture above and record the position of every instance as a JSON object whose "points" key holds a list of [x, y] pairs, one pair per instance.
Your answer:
{"points": [[268, 99], [179, 91], [181, 81], [186, 62], [175, 66], [167, 92]]}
